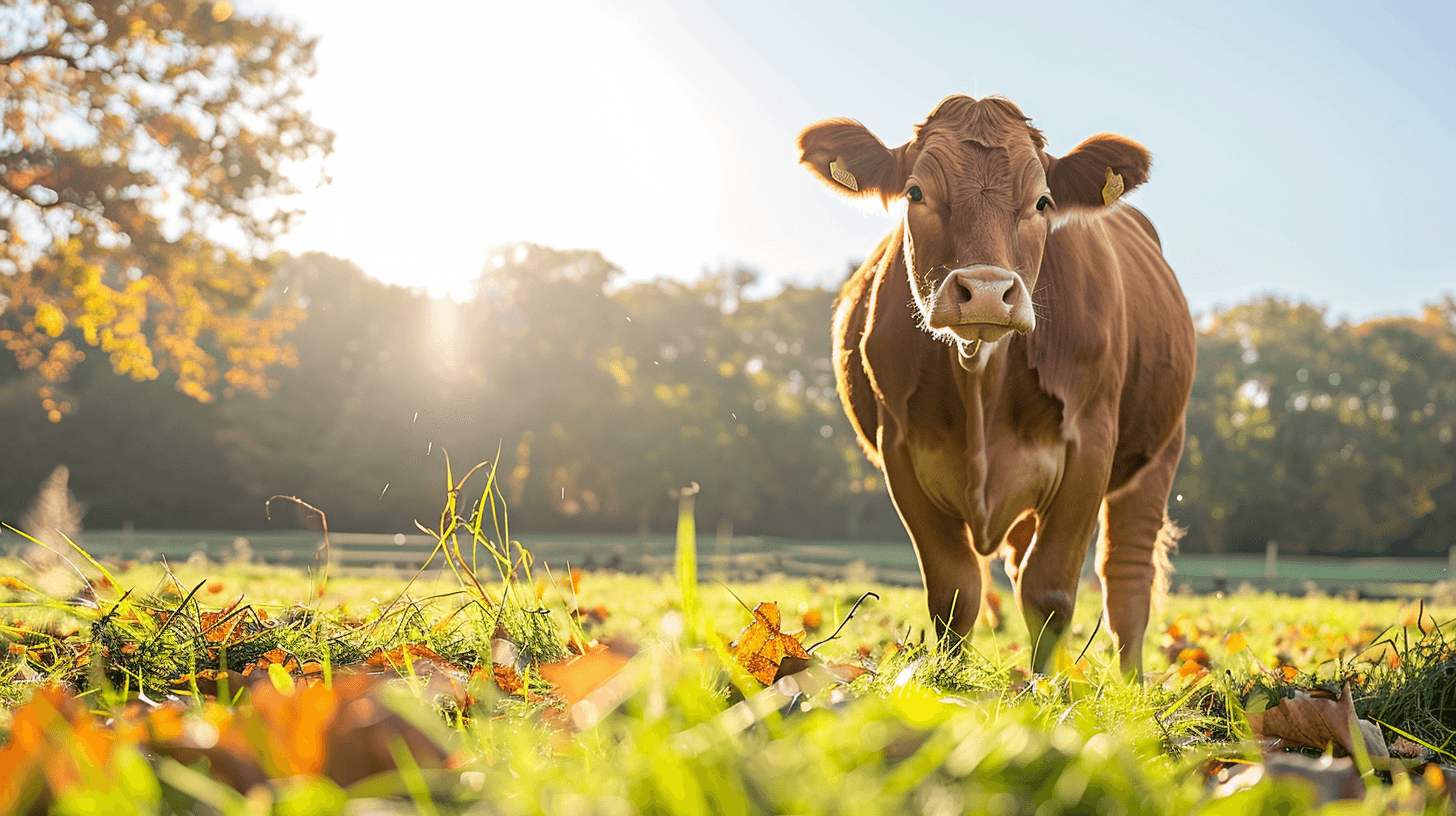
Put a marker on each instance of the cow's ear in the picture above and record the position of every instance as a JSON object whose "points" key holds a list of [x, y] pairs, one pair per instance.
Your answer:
{"points": [[852, 161], [1098, 171]]}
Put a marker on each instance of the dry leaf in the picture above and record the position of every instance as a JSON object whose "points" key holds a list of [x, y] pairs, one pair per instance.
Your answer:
{"points": [[762, 648], [1308, 722], [344, 733], [54, 743], [507, 679], [422, 661], [217, 627], [574, 679], [274, 656]]}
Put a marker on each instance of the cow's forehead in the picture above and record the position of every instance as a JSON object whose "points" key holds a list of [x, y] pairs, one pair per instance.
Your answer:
{"points": [[992, 122], [964, 167]]}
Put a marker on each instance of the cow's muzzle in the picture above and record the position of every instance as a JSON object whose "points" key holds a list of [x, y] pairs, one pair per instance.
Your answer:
{"points": [[982, 302]]}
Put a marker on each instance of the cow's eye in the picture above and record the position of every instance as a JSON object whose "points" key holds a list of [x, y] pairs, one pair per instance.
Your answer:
{"points": [[914, 194], [1043, 202]]}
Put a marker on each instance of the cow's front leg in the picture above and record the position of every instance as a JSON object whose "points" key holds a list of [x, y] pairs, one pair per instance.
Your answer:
{"points": [[943, 546], [1046, 581]]}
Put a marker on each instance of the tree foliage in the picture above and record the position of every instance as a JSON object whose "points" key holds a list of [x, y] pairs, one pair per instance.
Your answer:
{"points": [[1324, 436], [146, 151], [602, 395]]}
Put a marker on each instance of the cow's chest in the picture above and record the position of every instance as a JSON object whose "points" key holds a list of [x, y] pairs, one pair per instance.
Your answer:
{"points": [[962, 480], [986, 473]]}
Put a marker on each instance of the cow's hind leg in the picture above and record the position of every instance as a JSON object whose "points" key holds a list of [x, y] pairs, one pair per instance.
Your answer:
{"points": [[943, 546], [1132, 553]]}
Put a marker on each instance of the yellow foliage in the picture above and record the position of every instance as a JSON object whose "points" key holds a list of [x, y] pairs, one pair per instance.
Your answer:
{"points": [[49, 319]]}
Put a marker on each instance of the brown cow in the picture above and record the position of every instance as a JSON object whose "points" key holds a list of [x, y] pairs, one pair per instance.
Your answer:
{"points": [[1016, 356]]}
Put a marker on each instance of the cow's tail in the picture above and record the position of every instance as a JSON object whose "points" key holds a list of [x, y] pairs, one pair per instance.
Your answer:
{"points": [[1163, 548]]}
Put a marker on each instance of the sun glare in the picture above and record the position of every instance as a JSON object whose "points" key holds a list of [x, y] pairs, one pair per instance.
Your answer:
{"points": [[559, 127]]}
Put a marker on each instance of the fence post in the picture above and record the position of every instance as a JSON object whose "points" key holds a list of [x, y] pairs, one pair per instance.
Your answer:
{"points": [[1271, 560]]}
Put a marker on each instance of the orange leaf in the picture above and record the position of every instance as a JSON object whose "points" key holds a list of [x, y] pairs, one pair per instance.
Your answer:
{"points": [[1191, 668], [217, 627], [1236, 642], [507, 679], [813, 619], [762, 647], [421, 659], [1196, 655], [274, 656], [576, 678]]}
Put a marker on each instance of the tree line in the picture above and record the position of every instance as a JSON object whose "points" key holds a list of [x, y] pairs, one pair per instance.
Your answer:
{"points": [[596, 397]]}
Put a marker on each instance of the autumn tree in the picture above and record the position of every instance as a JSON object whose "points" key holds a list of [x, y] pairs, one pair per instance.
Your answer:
{"points": [[1327, 437], [145, 161]]}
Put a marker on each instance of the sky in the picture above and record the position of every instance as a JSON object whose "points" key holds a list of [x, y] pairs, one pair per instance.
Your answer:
{"points": [[1299, 148]]}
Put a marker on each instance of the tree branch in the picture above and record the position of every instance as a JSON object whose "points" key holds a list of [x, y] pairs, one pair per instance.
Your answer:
{"points": [[50, 49]]}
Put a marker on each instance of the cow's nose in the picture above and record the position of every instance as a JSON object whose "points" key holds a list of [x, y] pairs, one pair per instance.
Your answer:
{"points": [[981, 294]]}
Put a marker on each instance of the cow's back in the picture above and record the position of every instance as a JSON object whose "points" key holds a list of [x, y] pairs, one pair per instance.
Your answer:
{"points": [[1157, 364]]}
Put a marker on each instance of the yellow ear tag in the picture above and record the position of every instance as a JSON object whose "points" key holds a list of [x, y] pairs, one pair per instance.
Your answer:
{"points": [[1113, 188], [843, 176]]}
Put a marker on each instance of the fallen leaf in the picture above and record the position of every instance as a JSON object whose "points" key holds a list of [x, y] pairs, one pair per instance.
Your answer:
{"points": [[273, 657], [1305, 721], [54, 746], [1192, 669], [218, 627], [344, 732], [507, 679], [813, 619], [1199, 656], [574, 679], [421, 660], [762, 647]]}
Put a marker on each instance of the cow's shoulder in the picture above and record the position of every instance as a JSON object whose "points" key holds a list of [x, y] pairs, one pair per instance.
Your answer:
{"points": [[851, 375]]}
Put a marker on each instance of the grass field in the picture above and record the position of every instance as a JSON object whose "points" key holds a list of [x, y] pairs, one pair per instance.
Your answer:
{"points": [[251, 689]]}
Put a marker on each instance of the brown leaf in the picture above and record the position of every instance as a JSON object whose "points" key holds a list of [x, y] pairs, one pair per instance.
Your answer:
{"points": [[574, 679], [210, 681], [507, 679], [344, 732], [274, 656], [1309, 722], [421, 660], [218, 627], [761, 646]]}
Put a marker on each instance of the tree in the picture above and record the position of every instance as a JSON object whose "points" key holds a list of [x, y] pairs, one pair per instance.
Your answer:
{"points": [[143, 163], [1330, 438]]}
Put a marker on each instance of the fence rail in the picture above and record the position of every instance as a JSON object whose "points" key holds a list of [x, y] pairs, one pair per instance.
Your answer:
{"points": [[743, 558]]}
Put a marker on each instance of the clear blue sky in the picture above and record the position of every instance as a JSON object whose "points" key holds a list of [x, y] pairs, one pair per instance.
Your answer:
{"points": [[1303, 148]]}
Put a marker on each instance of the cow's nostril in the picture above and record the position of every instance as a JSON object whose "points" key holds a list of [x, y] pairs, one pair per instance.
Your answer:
{"points": [[1009, 296], [965, 292]]}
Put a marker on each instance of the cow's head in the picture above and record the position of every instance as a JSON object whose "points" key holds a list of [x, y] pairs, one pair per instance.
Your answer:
{"points": [[980, 197]]}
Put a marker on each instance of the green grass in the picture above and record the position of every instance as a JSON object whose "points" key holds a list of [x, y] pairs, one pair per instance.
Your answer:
{"points": [[686, 730]]}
